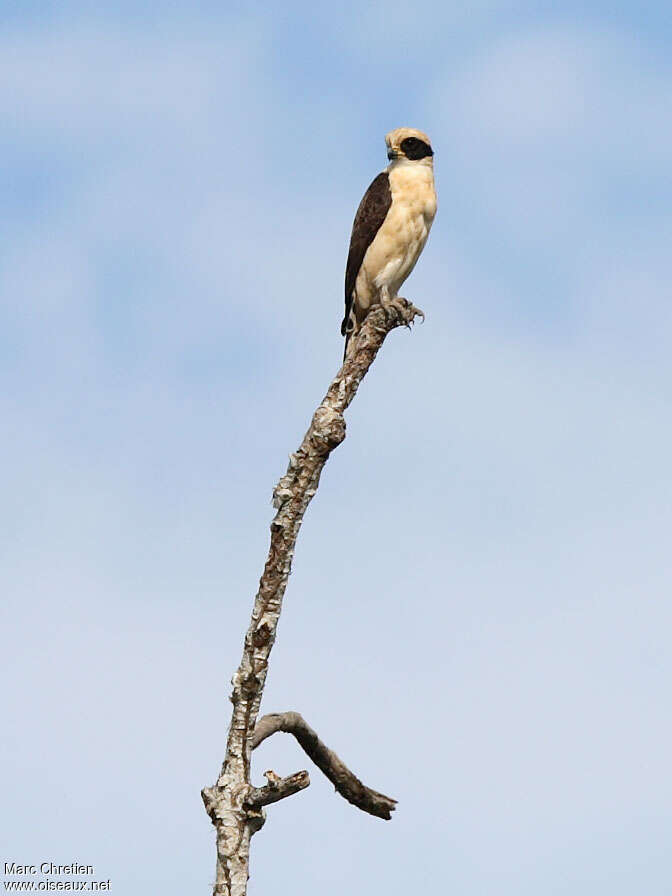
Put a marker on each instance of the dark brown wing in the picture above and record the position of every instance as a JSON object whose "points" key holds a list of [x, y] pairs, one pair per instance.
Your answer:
{"points": [[370, 215]]}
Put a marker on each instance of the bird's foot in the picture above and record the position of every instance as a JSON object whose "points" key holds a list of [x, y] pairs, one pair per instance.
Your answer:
{"points": [[402, 310]]}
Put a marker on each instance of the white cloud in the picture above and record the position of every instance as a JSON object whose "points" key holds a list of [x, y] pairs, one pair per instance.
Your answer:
{"points": [[86, 85], [564, 92], [552, 149]]}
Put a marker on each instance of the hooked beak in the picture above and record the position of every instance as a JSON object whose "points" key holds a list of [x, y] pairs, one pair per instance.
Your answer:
{"points": [[391, 154]]}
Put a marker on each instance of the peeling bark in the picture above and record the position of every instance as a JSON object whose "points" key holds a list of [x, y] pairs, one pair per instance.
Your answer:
{"points": [[230, 803]]}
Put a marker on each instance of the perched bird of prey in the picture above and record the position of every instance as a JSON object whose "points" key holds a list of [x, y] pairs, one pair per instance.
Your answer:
{"points": [[391, 227]]}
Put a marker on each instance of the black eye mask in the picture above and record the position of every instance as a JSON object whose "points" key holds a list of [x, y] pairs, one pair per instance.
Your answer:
{"points": [[414, 148]]}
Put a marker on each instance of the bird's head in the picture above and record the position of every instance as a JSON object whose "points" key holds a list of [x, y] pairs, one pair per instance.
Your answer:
{"points": [[407, 144]]}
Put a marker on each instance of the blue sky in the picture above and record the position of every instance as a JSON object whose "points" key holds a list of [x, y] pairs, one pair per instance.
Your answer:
{"points": [[478, 620]]}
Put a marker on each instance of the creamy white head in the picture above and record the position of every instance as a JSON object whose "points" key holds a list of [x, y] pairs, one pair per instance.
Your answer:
{"points": [[409, 145]]}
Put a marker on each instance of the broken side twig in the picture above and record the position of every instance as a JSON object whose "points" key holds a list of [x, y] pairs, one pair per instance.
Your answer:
{"points": [[345, 782]]}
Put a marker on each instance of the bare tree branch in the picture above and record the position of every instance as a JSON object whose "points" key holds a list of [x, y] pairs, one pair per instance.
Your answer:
{"points": [[227, 801], [277, 788], [345, 782]]}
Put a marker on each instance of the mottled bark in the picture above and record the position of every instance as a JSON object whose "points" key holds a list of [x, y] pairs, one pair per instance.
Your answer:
{"points": [[228, 803]]}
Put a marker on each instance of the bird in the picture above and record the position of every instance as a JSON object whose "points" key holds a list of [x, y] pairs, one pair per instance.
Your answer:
{"points": [[391, 227]]}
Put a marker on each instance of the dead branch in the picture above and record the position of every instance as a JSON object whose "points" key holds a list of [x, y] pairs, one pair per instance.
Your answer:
{"points": [[227, 802], [345, 782], [277, 788]]}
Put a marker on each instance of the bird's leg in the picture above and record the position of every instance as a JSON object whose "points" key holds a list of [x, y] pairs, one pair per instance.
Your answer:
{"points": [[384, 295]]}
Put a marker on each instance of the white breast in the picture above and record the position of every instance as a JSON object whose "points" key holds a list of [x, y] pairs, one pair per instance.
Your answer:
{"points": [[397, 246]]}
